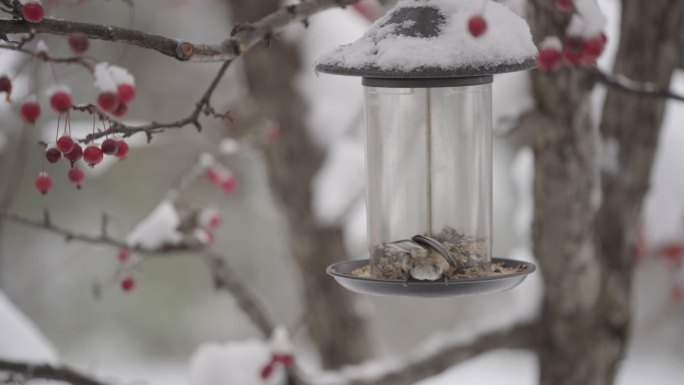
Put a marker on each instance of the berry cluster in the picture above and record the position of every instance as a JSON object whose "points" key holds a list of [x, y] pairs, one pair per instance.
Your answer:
{"points": [[208, 220], [282, 352], [117, 90], [584, 39], [218, 175]]}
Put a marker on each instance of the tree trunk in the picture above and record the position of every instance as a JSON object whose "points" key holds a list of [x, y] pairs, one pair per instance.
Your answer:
{"points": [[293, 160], [583, 250]]}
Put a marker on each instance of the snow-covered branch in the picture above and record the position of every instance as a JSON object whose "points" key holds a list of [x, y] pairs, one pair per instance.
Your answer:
{"points": [[431, 361], [23, 371], [100, 239], [626, 84], [242, 38]]}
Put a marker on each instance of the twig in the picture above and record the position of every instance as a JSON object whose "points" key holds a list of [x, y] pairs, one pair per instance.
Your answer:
{"points": [[47, 372], [79, 60], [239, 42], [639, 88], [102, 239], [203, 106]]}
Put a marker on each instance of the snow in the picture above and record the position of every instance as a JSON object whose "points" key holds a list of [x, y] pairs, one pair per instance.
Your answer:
{"points": [[104, 81], [235, 362], [507, 41], [157, 229], [280, 341], [593, 21], [121, 75], [20, 339], [42, 47], [58, 87], [229, 146], [551, 42]]}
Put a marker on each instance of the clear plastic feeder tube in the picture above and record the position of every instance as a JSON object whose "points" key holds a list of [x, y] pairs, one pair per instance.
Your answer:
{"points": [[429, 172]]}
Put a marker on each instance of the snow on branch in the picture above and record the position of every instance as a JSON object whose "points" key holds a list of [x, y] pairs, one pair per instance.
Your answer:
{"points": [[623, 83], [99, 239], [29, 371], [432, 361], [242, 38]]}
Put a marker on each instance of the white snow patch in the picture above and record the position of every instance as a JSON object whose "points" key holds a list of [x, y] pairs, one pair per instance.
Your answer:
{"points": [[121, 75], [551, 42], [20, 339], [158, 229], [236, 362], [229, 146], [104, 81], [594, 21], [42, 47], [507, 41], [609, 156], [281, 342]]}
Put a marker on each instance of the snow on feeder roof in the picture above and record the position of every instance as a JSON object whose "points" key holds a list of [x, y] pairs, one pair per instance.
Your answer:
{"points": [[430, 39]]}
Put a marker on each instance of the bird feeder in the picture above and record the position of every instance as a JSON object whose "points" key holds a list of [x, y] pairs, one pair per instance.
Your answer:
{"points": [[428, 125]]}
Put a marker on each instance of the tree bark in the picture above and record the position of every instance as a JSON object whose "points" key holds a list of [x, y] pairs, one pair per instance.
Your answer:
{"points": [[583, 250], [293, 160]]}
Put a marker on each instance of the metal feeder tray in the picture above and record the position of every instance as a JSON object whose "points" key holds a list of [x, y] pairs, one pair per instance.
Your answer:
{"points": [[341, 271]]}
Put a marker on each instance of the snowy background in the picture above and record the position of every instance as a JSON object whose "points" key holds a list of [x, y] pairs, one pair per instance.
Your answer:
{"points": [[174, 328]]}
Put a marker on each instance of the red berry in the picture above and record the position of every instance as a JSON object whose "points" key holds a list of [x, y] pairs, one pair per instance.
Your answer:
{"points": [[214, 176], [109, 146], [60, 101], [120, 111], [565, 5], [76, 175], [52, 155], [128, 283], [92, 155], [108, 101], [123, 255], [673, 253], [122, 149], [126, 93], [477, 25], [272, 133], [6, 86], [215, 222], [30, 110], [549, 59], [79, 42], [593, 48], [65, 144], [33, 12], [43, 182], [267, 371], [230, 185], [75, 154], [285, 359], [573, 48]]}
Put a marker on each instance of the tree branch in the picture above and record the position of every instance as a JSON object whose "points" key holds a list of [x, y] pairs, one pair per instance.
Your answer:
{"points": [[101, 239], [226, 278], [421, 366], [47, 372], [623, 83], [242, 38], [203, 106]]}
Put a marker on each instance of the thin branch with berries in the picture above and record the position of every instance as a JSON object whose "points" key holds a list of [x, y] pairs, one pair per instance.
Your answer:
{"points": [[98, 239], [242, 37]]}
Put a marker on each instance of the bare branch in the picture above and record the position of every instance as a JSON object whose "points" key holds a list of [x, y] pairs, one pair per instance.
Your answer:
{"points": [[47, 372], [101, 239], [421, 366], [226, 278], [638, 88], [241, 40]]}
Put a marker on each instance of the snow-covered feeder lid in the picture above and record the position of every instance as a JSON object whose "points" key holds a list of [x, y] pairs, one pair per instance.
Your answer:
{"points": [[429, 39]]}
